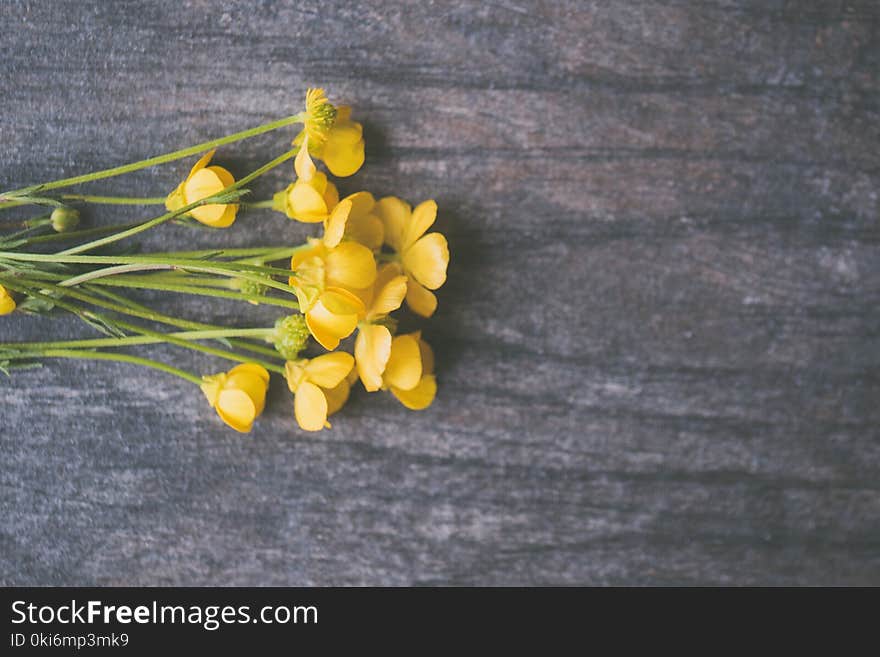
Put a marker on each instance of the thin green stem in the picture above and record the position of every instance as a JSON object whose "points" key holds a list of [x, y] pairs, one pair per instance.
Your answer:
{"points": [[257, 205], [160, 159], [99, 355], [213, 351], [192, 264], [77, 234], [203, 291], [132, 341], [109, 271], [114, 200]]}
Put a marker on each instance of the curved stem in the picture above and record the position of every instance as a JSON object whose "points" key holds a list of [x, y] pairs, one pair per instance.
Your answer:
{"points": [[114, 200], [204, 291], [109, 271], [99, 355], [139, 340], [160, 159], [76, 234]]}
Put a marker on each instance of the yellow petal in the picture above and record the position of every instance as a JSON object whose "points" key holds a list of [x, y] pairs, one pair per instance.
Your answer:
{"points": [[361, 203], [404, 367], [427, 355], [251, 368], [336, 397], [367, 229], [422, 219], [346, 131], [237, 409], [303, 165], [342, 302], [334, 229], [329, 328], [395, 215], [202, 163], [310, 407], [372, 350], [350, 265], [7, 303], [419, 299], [427, 260], [211, 386], [389, 297], [202, 184], [342, 158], [329, 369], [223, 174], [420, 397], [295, 373], [330, 194], [251, 379], [315, 249], [305, 203]]}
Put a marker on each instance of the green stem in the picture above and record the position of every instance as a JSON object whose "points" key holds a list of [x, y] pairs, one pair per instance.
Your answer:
{"points": [[203, 291], [126, 306], [160, 159], [256, 205], [114, 200], [77, 234], [183, 263], [213, 351], [109, 271], [140, 340], [98, 355]]}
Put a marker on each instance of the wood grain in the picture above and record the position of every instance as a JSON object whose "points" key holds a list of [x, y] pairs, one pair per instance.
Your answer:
{"points": [[659, 346]]}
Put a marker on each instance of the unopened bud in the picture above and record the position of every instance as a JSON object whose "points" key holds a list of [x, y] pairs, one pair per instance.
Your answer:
{"points": [[291, 336], [64, 219]]}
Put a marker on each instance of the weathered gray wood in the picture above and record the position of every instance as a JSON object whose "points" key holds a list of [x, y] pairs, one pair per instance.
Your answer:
{"points": [[659, 346]]}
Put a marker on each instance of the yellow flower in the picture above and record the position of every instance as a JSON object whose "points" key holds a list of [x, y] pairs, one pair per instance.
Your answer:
{"points": [[311, 197], [424, 257], [204, 181], [319, 387], [343, 152], [320, 115], [409, 372], [7, 303], [331, 134], [362, 225], [238, 395], [326, 273], [372, 348]]}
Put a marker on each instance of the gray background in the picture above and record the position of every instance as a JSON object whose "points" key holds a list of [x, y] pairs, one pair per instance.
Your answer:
{"points": [[658, 346]]}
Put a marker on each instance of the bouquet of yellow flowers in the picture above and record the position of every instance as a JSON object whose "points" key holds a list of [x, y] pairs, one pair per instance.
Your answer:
{"points": [[372, 256]]}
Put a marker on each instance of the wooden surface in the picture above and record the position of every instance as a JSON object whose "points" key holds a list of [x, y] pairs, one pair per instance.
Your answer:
{"points": [[659, 346]]}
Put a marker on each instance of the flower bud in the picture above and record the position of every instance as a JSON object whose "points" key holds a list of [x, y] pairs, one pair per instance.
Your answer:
{"points": [[291, 336], [64, 219], [7, 303]]}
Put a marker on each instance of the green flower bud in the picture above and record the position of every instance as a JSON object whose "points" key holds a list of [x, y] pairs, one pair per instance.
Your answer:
{"points": [[64, 219], [252, 287], [291, 336]]}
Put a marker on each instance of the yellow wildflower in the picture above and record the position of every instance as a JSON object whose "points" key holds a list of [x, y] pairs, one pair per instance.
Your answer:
{"points": [[238, 395], [320, 115], [318, 387], [311, 197], [372, 348], [409, 372], [204, 181], [424, 257], [338, 141], [362, 225], [7, 303], [326, 273]]}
